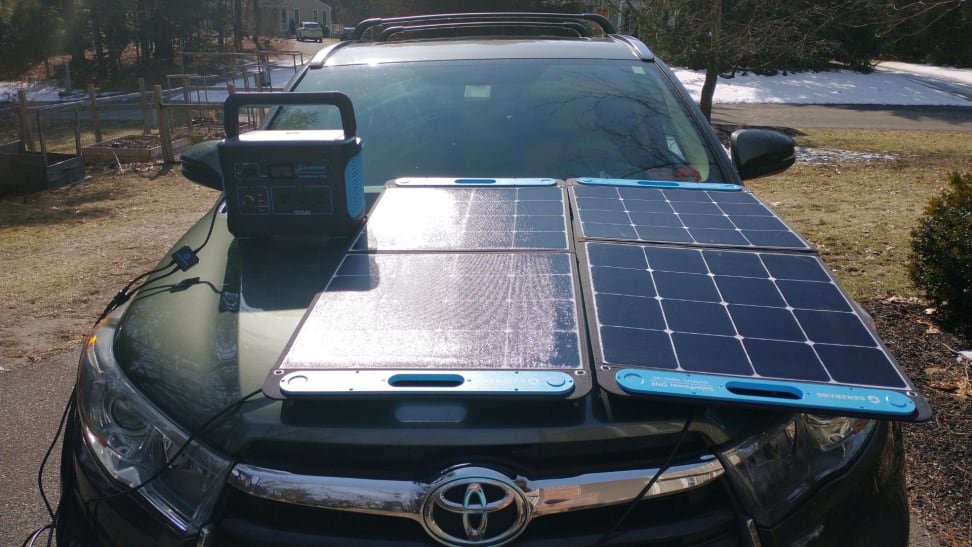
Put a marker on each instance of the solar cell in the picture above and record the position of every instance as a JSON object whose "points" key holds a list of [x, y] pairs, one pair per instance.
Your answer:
{"points": [[460, 312], [712, 316], [707, 217], [458, 218]]}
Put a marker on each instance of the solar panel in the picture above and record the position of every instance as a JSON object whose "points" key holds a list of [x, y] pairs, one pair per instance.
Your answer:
{"points": [[690, 293], [452, 218], [758, 327], [485, 323], [722, 218]]}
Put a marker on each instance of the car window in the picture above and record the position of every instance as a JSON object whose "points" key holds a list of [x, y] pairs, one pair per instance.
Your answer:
{"points": [[512, 118]]}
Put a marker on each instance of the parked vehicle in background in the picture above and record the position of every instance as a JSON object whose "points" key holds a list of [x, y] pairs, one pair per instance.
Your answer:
{"points": [[535, 209], [346, 33], [310, 30]]}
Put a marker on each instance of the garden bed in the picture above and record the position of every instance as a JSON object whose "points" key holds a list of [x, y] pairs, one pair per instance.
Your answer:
{"points": [[129, 149], [26, 172]]}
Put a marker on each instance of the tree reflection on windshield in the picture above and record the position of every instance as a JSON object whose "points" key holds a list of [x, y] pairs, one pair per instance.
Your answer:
{"points": [[512, 118]]}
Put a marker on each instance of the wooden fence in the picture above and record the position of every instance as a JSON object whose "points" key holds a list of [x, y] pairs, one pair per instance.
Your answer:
{"points": [[156, 111]]}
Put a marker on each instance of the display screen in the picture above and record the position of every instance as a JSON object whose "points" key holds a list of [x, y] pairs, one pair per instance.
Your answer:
{"points": [[280, 171]]}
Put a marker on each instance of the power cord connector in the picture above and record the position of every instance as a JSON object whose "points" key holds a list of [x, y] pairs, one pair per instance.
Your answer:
{"points": [[185, 258]]}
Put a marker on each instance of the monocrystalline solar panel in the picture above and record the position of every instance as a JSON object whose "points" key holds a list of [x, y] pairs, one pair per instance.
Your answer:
{"points": [[739, 326], [511, 315], [720, 218], [692, 293], [457, 219]]}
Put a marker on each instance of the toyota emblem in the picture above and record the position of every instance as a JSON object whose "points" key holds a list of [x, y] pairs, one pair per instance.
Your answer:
{"points": [[475, 506]]}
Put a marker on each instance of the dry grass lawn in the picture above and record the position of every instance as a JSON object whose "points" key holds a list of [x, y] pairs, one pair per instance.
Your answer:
{"points": [[860, 214], [66, 252]]}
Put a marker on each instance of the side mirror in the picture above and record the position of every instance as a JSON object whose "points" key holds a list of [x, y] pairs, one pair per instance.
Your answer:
{"points": [[200, 164], [761, 152]]}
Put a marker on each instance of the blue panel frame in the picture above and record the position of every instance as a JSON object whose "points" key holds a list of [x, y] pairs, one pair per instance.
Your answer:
{"points": [[825, 398]]}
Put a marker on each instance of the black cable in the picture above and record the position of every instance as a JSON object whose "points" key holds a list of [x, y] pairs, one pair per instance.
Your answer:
{"points": [[146, 274], [183, 285], [29, 542], [94, 502], [644, 491], [737, 507], [124, 294], [54, 514], [50, 450], [51, 512], [192, 436], [120, 298], [212, 224]]}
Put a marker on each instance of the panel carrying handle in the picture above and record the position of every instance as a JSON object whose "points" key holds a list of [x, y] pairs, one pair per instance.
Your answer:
{"points": [[231, 118]]}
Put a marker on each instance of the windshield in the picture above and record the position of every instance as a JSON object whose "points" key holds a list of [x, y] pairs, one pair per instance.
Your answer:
{"points": [[557, 118]]}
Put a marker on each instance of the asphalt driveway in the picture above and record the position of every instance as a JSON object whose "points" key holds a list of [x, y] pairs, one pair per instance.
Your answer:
{"points": [[906, 118]]}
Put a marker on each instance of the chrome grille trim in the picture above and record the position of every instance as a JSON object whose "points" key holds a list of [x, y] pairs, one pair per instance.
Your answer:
{"points": [[396, 498]]}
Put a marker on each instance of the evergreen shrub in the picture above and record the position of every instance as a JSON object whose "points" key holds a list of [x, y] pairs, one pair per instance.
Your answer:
{"points": [[941, 252]]}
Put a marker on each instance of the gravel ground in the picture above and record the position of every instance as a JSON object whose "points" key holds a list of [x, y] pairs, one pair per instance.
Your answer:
{"points": [[939, 452]]}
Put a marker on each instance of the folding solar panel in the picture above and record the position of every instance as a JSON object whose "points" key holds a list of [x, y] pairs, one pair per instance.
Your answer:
{"points": [[679, 215], [478, 296], [700, 292]]}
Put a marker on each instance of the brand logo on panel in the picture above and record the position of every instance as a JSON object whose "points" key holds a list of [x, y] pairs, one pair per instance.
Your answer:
{"points": [[475, 506]]}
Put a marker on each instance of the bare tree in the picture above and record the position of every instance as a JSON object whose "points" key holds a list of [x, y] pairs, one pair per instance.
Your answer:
{"points": [[237, 25], [257, 21]]}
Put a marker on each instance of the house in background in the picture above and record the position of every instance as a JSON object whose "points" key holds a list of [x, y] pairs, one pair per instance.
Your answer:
{"points": [[281, 17]]}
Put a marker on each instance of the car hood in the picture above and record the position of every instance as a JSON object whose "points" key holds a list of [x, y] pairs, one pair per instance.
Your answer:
{"points": [[198, 341]]}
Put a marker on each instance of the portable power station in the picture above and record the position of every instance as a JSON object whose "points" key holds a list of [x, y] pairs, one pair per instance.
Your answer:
{"points": [[292, 182]]}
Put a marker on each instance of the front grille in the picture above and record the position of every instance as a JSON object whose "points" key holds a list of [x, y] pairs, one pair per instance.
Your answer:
{"points": [[701, 517], [421, 462], [697, 517]]}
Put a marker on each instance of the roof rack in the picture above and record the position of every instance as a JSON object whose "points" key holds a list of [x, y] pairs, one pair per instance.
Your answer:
{"points": [[570, 28], [571, 21]]}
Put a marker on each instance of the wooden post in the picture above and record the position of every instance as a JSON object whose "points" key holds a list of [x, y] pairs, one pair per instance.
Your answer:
{"points": [[25, 133], [187, 100], [263, 61], [77, 131], [164, 137], [94, 112], [186, 96], [230, 89], [40, 136], [146, 111], [67, 78]]}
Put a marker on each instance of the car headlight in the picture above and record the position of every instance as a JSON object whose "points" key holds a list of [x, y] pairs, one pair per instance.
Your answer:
{"points": [[774, 470], [133, 441]]}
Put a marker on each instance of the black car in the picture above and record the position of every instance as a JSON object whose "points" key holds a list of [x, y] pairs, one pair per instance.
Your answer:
{"points": [[484, 279]]}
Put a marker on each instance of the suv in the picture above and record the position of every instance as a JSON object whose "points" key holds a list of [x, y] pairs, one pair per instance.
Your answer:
{"points": [[414, 318], [310, 30]]}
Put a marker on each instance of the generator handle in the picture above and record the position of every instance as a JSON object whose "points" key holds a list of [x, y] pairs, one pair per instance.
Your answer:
{"points": [[231, 108]]}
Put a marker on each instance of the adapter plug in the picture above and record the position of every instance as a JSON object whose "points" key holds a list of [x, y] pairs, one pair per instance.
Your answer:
{"points": [[185, 258]]}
